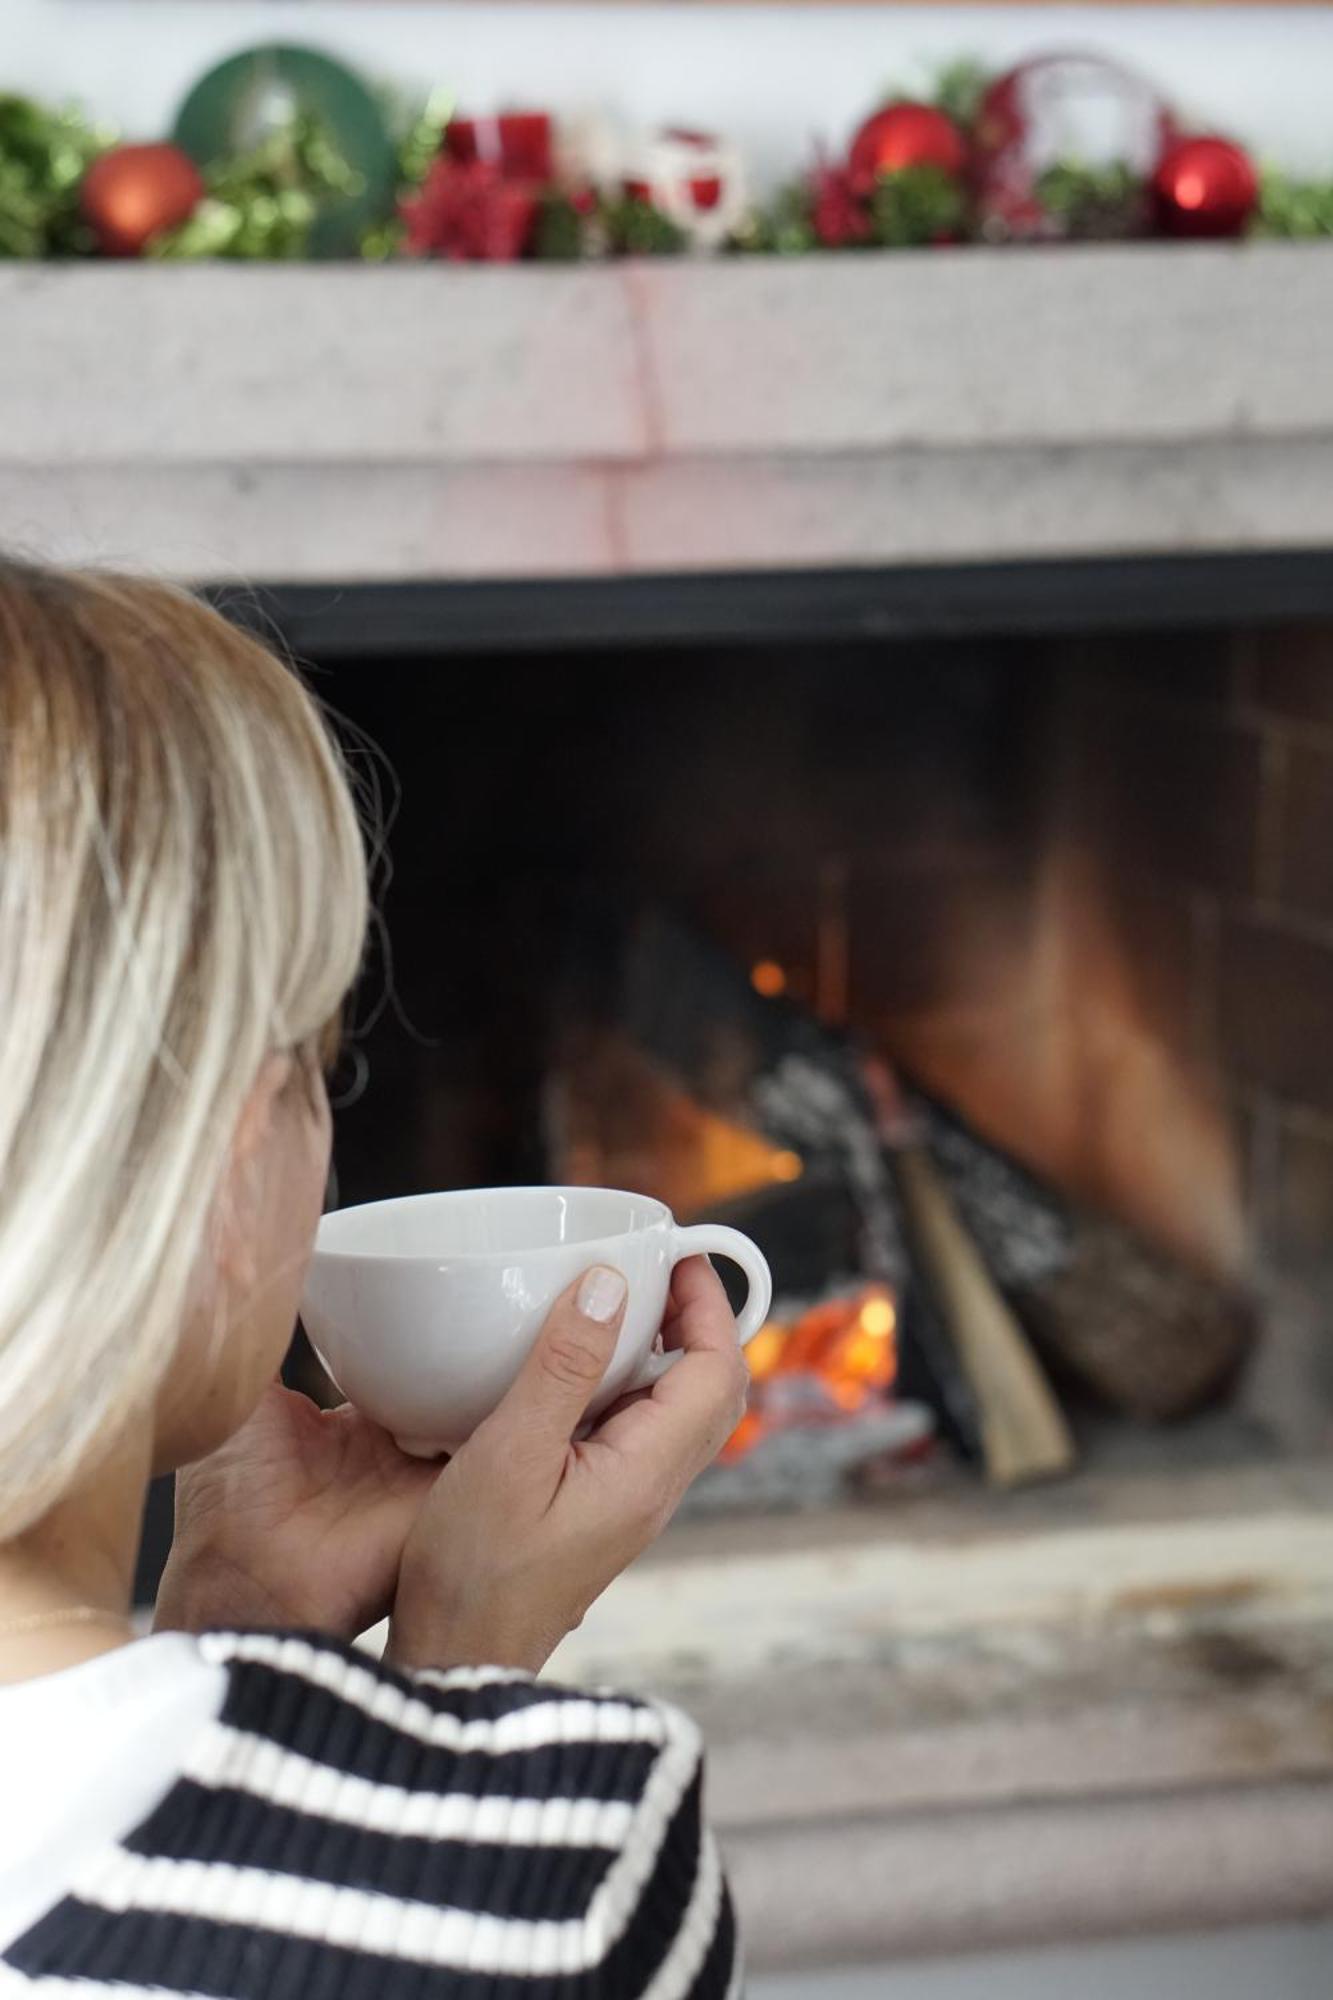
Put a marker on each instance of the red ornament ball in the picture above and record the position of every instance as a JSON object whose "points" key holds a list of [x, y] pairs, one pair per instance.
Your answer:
{"points": [[1204, 187], [905, 135], [133, 193]]}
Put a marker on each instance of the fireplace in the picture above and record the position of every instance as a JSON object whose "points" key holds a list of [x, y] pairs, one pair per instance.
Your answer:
{"points": [[1065, 887], [1052, 847], [1054, 864]]}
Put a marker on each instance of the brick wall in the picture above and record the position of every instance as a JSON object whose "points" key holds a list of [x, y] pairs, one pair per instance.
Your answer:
{"points": [[1091, 901], [1222, 807], [1145, 1007]]}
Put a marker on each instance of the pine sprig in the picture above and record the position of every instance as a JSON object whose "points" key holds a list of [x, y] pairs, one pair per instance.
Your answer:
{"points": [[959, 89], [561, 231], [262, 206], [916, 206], [784, 229], [44, 156], [634, 228], [1300, 210], [1093, 203], [421, 139]]}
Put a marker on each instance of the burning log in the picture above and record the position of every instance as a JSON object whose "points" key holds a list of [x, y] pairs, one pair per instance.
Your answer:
{"points": [[1146, 1334], [680, 1073], [1023, 1433]]}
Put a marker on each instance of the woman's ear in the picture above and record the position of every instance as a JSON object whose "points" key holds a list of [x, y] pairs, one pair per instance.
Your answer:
{"points": [[236, 1232]]}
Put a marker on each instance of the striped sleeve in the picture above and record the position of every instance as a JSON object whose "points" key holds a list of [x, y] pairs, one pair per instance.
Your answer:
{"points": [[668, 1911], [346, 1831]]}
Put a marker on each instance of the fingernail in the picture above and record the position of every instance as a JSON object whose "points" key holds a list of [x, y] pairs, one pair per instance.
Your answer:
{"points": [[602, 1294]]}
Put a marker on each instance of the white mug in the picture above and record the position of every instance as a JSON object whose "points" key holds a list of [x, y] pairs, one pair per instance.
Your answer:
{"points": [[423, 1310]]}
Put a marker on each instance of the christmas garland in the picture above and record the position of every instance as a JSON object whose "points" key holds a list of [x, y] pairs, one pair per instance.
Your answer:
{"points": [[963, 163], [44, 156]]}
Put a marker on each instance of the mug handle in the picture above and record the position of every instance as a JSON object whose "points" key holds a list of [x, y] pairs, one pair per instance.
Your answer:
{"points": [[704, 1239]]}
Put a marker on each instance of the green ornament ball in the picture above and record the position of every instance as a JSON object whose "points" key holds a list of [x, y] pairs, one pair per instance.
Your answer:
{"points": [[266, 103]]}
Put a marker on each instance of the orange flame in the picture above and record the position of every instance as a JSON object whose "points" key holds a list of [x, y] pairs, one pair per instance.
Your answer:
{"points": [[767, 977], [835, 1360]]}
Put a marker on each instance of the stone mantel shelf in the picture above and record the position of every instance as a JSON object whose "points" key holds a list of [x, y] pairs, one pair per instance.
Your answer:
{"points": [[358, 423]]}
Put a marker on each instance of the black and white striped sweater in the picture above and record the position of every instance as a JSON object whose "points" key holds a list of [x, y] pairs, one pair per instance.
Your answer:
{"points": [[344, 1832]]}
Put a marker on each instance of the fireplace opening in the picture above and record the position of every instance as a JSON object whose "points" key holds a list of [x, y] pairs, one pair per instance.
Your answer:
{"points": [[771, 931]]}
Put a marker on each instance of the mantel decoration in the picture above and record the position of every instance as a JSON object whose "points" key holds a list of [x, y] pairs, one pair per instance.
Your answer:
{"points": [[283, 153]]}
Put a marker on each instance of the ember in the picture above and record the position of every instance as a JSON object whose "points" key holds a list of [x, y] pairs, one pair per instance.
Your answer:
{"points": [[767, 977], [831, 1363]]}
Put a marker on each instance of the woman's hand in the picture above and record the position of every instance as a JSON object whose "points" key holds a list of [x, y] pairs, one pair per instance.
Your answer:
{"points": [[299, 1520], [523, 1528]]}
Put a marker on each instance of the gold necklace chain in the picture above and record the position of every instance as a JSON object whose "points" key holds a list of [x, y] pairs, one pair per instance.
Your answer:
{"points": [[72, 1614]]}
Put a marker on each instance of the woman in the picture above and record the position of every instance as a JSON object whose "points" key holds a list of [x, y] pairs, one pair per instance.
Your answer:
{"points": [[241, 1805]]}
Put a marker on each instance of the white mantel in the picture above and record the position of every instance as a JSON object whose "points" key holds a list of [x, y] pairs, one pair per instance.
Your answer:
{"points": [[352, 423]]}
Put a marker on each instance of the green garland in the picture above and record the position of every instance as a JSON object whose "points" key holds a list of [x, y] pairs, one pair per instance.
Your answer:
{"points": [[632, 227], [783, 229], [959, 88], [1297, 210], [44, 156], [1093, 204], [419, 138], [264, 204], [568, 230], [917, 206]]}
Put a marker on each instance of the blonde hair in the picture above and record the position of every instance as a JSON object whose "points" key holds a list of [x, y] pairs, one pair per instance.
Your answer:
{"points": [[182, 892]]}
